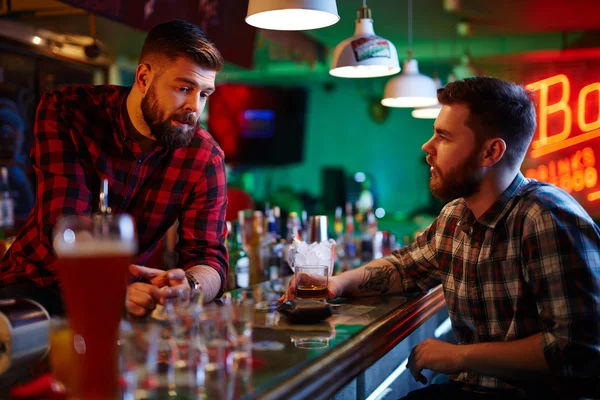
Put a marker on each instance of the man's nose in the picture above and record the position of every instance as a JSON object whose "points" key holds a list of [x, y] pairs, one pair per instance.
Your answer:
{"points": [[428, 147]]}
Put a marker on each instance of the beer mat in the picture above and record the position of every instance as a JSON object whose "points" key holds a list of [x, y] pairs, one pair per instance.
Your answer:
{"points": [[350, 310], [280, 322], [306, 329]]}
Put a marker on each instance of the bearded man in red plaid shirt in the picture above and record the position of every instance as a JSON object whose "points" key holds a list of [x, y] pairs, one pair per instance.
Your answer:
{"points": [[160, 164], [519, 260]]}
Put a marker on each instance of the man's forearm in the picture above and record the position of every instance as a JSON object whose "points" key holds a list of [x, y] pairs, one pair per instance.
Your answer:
{"points": [[208, 278], [518, 359], [375, 278]]}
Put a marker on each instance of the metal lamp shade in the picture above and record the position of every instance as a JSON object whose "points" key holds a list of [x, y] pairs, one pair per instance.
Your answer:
{"points": [[410, 89], [292, 15], [364, 55]]}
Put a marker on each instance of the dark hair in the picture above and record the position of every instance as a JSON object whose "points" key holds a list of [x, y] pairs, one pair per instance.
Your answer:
{"points": [[496, 109], [176, 39]]}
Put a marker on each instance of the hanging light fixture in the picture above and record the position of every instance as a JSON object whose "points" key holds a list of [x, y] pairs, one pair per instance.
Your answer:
{"points": [[465, 68], [364, 55], [427, 112], [411, 88], [292, 15], [431, 112]]}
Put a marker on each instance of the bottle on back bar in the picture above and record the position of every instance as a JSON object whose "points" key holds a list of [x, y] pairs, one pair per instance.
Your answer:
{"points": [[239, 263], [7, 203]]}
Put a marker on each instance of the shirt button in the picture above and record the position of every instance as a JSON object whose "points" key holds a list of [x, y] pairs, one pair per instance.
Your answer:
{"points": [[476, 244], [472, 284], [139, 162], [125, 198]]}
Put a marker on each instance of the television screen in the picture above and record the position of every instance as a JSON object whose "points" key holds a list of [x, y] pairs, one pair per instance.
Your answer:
{"points": [[258, 125]]}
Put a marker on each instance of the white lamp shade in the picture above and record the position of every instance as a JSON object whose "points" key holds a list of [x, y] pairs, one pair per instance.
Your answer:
{"points": [[465, 69], [292, 15], [410, 89], [427, 112], [364, 55]]}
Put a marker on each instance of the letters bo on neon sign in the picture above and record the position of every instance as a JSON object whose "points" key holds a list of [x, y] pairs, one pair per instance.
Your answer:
{"points": [[567, 140]]}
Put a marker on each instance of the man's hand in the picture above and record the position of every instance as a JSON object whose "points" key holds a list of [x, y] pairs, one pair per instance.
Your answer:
{"points": [[333, 290], [142, 298], [174, 282], [436, 355]]}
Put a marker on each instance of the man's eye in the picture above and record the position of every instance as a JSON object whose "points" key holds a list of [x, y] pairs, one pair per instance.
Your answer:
{"points": [[204, 95], [184, 89]]}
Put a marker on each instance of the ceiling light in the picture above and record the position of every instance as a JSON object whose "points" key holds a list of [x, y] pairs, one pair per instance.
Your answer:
{"points": [[431, 112], [364, 55], [465, 68], [427, 112], [292, 15], [36, 40], [411, 88]]}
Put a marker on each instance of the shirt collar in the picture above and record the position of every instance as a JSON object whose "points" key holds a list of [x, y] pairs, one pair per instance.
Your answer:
{"points": [[493, 214], [497, 210]]}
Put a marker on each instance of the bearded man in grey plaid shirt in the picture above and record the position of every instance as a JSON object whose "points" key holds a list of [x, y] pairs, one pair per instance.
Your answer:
{"points": [[519, 260]]}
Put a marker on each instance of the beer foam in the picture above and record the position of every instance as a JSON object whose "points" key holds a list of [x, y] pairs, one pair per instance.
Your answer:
{"points": [[94, 248]]}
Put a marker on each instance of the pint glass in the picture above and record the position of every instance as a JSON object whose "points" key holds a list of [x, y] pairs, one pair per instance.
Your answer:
{"points": [[94, 254]]}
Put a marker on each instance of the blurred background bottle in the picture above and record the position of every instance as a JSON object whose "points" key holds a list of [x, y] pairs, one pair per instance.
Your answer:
{"points": [[7, 204], [271, 248], [255, 229]]}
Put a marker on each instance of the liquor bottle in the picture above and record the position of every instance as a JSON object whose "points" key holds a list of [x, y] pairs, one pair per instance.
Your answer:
{"points": [[7, 203], [304, 226], [239, 263], [368, 232], [277, 215], [253, 248], [350, 252], [338, 224], [271, 249]]}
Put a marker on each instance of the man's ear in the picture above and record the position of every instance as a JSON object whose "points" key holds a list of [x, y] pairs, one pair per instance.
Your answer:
{"points": [[143, 77], [493, 151]]}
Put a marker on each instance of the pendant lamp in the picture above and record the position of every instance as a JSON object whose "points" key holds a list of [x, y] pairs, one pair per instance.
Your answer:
{"points": [[410, 88], [431, 112], [292, 15], [364, 55]]}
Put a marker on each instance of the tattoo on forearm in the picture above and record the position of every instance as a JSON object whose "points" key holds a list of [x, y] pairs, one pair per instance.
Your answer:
{"points": [[377, 279]]}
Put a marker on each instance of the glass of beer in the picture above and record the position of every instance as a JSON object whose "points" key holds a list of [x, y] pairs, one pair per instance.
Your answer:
{"points": [[94, 254], [311, 281]]}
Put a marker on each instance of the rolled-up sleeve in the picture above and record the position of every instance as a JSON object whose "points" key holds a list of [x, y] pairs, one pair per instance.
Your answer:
{"points": [[561, 257], [202, 229]]}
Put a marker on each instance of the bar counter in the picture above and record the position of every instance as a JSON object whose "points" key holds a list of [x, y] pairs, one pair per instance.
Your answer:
{"points": [[360, 332], [320, 361]]}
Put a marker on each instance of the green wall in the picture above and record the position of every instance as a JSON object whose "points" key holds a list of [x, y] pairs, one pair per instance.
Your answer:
{"points": [[340, 132]]}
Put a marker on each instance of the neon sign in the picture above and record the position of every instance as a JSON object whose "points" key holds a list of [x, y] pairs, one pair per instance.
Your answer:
{"points": [[563, 147]]}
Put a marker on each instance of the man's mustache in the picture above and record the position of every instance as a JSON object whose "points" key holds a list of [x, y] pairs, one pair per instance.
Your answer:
{"points": [[189, 119]]}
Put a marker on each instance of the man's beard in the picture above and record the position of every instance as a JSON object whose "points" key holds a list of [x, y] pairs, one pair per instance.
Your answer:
{"points": [[171, 137], [461, 181]]}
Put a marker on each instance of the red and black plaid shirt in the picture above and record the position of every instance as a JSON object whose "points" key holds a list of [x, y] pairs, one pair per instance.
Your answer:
{"points": [[529, 264], [80, 139]]}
